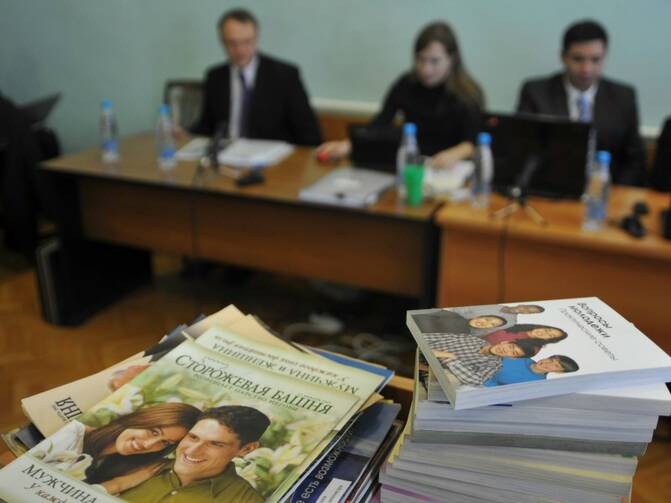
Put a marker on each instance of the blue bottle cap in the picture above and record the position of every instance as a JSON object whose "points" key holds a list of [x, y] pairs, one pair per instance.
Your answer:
{"points": [[484, 139], [164, 110], [106, 104], [409, 128], [603, 156]]}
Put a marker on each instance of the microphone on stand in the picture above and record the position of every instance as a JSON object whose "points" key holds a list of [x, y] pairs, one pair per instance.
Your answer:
{"points": [[521, 187], [218, 142]]}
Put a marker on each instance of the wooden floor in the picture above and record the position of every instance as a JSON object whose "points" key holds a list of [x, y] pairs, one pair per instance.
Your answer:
{"points": [[35, 356]]}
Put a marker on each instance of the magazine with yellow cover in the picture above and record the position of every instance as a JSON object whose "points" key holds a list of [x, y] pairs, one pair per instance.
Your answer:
{"points": [[296, 364], [196, 425], [53, 408]]}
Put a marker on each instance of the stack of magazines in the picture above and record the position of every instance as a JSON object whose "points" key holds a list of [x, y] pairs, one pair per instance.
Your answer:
{"points": [[529, 402], [221, 410]]}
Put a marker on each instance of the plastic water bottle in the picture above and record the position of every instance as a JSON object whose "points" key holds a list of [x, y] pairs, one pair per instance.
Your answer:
{"points": [[481, 182], [598, 192], [165, 140], [109, 133], [408, 153]]}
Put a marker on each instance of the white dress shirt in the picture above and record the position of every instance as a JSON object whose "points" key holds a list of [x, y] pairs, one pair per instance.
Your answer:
{"points": [[573, 94], [249, 73]]}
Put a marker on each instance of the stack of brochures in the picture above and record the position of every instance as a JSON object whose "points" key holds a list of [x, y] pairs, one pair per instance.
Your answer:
{"points": [[249, 153], [221, 410], [534, 401], [239, 153]]}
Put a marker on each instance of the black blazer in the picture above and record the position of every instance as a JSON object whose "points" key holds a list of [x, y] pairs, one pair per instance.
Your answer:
{"points": [[442, 119], [280, 107], [660, 178], [615, 119]]}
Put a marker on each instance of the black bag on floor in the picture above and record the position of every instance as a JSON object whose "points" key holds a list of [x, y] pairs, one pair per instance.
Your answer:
{"points": [[77, 280]]}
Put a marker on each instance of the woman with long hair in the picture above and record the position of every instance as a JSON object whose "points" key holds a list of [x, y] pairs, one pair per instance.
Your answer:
{"points": [[124, 452], [526, 331], [437, 94]]}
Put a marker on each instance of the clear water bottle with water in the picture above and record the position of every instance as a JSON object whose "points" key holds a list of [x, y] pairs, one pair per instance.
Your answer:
{"points": [[483, 173], [165, 140], [408, 154], [109, 133], [598, 193]]}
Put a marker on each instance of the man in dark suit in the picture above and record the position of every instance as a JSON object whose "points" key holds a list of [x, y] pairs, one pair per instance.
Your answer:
{"points": [[254, 95], [581, 93]]}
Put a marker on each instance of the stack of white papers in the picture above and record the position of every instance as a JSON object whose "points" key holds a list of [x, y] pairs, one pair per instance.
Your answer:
{"points": [[246, 153], [241, 153], [193, 150]]}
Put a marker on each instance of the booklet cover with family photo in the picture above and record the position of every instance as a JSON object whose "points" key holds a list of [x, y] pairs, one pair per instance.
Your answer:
{"points": [[195, 426], [491, 354]]}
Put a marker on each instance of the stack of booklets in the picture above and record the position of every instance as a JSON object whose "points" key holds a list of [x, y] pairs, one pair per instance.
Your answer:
{"points": [[531, 402], [221, 410]]}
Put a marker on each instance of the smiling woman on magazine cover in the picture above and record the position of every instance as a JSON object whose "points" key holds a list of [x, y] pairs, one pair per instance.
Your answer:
{"points": [[526, 331], [124, 452]]}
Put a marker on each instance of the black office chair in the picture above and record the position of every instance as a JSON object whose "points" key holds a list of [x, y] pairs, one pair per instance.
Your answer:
{"points": [[185, 98], [34, 204], [660, 178]]}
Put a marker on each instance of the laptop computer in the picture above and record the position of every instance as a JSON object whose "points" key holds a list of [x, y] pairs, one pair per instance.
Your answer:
{"points": [[546, 154], [374, 148]]}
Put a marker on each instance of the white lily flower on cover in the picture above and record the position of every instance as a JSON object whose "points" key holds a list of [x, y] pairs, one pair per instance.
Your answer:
{"points": [[71, 463], [307, 432], [123, 401]]}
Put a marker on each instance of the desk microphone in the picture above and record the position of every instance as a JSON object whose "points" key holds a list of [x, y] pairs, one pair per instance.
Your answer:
{"points": [[218, 142], [519, 190]]}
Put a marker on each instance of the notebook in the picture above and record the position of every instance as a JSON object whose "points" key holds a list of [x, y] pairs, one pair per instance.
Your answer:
{"points": [[349, 187]]}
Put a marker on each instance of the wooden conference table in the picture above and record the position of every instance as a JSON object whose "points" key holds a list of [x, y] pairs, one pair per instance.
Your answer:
{"points": [[387, 247], [483, 260]]}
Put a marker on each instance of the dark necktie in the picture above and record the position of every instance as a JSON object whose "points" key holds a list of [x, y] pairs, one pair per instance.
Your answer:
{"points": [[245, 102]]}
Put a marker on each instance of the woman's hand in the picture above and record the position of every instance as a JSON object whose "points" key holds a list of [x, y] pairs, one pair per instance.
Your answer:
{"points": [[333, 150], [135, 478], [179, 131], [449, 157], [444, 159]]}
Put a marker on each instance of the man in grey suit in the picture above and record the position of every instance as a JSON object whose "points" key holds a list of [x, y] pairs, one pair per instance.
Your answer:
{"points": [[581, 93]]}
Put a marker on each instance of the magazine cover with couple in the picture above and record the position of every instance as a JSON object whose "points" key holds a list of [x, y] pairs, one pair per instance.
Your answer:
{"points": [[195, 426]]}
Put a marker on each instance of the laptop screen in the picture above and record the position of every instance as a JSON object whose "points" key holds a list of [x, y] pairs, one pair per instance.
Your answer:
{"points": [[374, 147], [550, 152]]}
